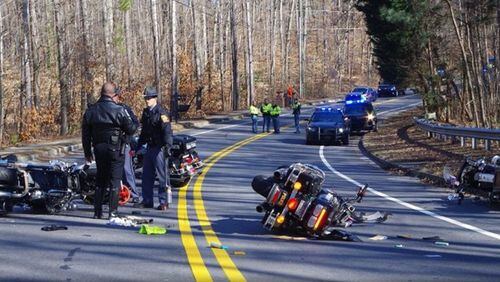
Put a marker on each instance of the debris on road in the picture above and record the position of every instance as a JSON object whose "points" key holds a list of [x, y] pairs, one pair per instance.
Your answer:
{"points": [[405, 236], [442, 243], [54, 227], [432, 256], [340, 235], [218, 246], [378, 238], [239, 253], [432, 238], [152, 230], [399, 246], [376, 217], [285, 237], [128, 221]]}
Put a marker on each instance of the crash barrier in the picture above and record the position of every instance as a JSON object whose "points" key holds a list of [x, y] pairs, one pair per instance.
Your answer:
{"points": [[453, 133]]}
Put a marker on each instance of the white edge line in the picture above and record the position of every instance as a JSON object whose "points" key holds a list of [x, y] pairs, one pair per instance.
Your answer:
{"points": [[408, 205]]}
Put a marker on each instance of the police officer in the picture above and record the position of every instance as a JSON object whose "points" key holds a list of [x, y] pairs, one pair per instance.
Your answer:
{"points": [[275, 114], [296, 107], [157, 134], [128, 169], [265, 109], [103, 127]]}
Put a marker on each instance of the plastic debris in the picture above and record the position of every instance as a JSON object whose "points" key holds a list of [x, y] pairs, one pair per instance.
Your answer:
{"points": [[239, 253], [399, 246], [404, 236], [432, 256], [376, 217], [54, 227], [378, 238], [152, 230], [442, 243], [218, 246], [121, 221]]}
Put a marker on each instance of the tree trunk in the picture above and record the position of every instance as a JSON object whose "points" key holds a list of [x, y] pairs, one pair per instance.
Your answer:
{"points": [[62, 64], [196, 55], [87, 77], [26, 86], [1, 78], [128, 47], [288, 41], [234, 45], [35, 57], [173, 33], [108, 39], [156, 49], [249, 27], [272, 47], [300, 38]]}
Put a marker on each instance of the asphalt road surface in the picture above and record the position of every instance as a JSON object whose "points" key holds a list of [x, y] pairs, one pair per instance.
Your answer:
{"points": [[219, 207]]}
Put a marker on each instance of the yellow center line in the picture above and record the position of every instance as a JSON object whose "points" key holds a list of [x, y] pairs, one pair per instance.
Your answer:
{"points": [[195, 260], [223, 258]]}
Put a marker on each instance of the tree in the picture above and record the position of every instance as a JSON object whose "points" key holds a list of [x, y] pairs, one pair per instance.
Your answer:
{"points": [[234, 59], [86, 74], [62, 61], [108, 39], [156, 51]]}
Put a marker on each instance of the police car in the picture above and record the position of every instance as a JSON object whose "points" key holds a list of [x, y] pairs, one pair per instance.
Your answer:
{"points": [[361, 114], [328, 125]]}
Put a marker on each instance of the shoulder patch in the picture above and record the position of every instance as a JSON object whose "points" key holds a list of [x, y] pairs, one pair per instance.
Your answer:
{"points": [[164, 118]]}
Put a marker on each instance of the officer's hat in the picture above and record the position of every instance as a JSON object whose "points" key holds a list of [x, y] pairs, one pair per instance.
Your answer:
{"points": [[150, 92]]}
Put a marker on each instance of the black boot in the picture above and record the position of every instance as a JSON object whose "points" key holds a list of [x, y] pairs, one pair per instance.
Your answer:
{"points": [[98, 203], [113, 203]]}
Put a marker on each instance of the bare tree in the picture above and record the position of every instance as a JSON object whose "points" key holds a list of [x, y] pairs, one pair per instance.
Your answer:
{"points": [[235, 84], [156, 51], [249, 50], [87, 78], [108, 39], [1, 76], [62, 64], [173, 33], [26, 57]]}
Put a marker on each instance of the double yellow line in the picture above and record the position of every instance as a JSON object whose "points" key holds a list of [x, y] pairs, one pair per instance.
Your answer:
{"points": [[198, 267]]}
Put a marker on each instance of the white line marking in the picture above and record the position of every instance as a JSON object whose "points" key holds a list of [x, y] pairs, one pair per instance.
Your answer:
{"points": [[408, 205], [395, 110]]}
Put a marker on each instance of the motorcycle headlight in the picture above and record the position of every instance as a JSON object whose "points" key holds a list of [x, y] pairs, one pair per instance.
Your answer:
{"points": [[371, 116]]}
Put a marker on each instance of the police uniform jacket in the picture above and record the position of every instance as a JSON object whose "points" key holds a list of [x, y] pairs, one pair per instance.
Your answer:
{"points": [[105, 122], [156, 129]]}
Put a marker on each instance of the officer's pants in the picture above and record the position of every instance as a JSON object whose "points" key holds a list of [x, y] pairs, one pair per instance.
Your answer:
{"points": [[154, 165], [109, 164], [129, 174], [276, 124], [266, 123]]}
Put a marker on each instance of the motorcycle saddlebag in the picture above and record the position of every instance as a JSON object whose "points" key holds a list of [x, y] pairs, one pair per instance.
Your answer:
{"points": [[310, 178], [182, 143]]}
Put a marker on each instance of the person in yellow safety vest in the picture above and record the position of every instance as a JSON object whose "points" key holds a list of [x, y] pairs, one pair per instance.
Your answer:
{"points": [[254, 113], [265, 109], [275, 113]]}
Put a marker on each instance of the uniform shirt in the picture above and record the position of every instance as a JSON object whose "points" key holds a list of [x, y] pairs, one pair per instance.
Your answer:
{"points": [[156, 128], [265, 109], [275, 110], [296, 108], [135, 120], [254, 111]]}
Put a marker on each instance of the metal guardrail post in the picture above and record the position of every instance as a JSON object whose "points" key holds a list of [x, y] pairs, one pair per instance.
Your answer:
{"points": [[474, 143], [462, 141], [487, 145]]}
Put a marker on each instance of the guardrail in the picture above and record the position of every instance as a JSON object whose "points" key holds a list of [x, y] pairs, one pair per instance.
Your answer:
{"points": [[450, 132]]}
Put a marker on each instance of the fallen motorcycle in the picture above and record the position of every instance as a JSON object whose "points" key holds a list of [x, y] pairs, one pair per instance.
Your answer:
{"points": [[477, 176], [295, 201], [184, 159], [47, 188]]}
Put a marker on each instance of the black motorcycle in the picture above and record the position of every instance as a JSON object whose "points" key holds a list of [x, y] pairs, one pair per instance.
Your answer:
{"points": [[477, 176], [295, 201], [47, 188], [184, 159]]}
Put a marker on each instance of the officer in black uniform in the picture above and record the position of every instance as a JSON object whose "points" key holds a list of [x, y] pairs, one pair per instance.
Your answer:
{"points": [[157, 134], [103, 127]]}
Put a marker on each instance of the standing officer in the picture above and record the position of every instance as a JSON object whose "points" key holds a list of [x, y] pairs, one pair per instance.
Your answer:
{"points": [[265, 109], [296, 114], [103, 127], [254, 113], [275, 113], [128, 169], [157, 134]]}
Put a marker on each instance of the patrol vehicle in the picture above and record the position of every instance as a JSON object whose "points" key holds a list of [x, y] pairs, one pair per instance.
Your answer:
{"points": [[328, 125]]}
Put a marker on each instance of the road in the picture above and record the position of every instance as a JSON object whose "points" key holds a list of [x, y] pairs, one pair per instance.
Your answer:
{"points": [[219, 206]]}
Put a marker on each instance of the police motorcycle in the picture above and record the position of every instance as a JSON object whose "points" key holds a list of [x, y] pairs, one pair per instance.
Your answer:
{"points": [[476, 176], [295, 201], [47, 188], [184, 159]]}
